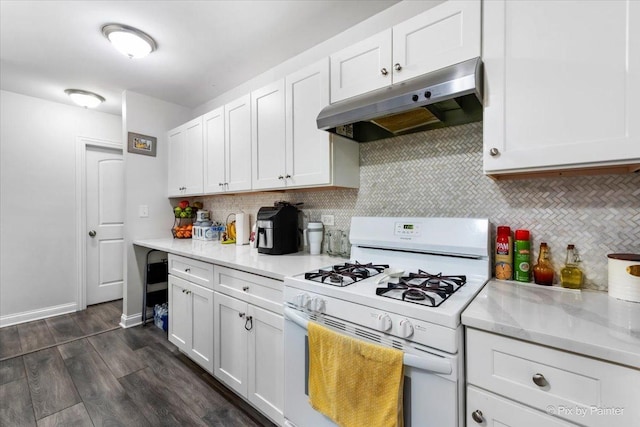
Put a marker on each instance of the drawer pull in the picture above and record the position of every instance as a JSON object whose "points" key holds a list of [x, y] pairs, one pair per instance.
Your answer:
{"points": [[245, 288], [240, 314], [540, 380], [477, 416], [187, 270], [248, 324]]}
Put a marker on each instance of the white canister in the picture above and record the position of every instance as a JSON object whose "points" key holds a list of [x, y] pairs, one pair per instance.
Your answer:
{"points": [[624, 276], [314, 237]]}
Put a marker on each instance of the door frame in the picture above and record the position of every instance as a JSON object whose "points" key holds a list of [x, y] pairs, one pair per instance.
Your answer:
{"points": [[82, 144]]}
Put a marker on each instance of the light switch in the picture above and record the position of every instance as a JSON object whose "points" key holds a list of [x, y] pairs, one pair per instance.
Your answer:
{"points": [[143, 211]]}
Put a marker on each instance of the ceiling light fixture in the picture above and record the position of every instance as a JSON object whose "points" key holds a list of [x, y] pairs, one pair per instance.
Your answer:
{"points": [[84, 98], [129, 41]]}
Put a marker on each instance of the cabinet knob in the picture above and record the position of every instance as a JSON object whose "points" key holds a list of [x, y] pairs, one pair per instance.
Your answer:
{"points": [[540, 380], [494, 152], [187, 270], [220, 184], [477, 416], [287, 176], [240, 314], [415, 98], [280, 177], [92, 233], [384, 71], [245, 288], [397, 67]]}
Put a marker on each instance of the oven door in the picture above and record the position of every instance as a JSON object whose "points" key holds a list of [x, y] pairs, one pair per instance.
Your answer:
{"points": [[432, 389]]}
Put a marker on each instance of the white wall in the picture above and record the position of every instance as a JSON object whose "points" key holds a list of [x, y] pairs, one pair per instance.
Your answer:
{"points": [[146, 184], [386, 19], [38, 255]]}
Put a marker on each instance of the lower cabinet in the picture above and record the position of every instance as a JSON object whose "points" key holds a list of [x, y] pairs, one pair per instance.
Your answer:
{"points": [[517, 383], [248, 342], [487, 409], [191, 320]]}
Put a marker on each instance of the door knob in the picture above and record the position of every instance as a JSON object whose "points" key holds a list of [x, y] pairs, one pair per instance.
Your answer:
{"points": [[92, 233], [539, 380], [384, 72], [477, 416], [397, 67], [494, 152]]}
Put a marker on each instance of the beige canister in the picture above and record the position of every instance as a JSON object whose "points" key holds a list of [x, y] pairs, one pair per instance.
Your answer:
{"points": [[624, 276]]}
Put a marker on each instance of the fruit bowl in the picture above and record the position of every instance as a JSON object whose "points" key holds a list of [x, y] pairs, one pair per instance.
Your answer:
{"points": [[182, 231]]}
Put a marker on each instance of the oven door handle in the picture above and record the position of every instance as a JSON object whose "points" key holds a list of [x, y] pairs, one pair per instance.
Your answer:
{"points": [[427, 362]]}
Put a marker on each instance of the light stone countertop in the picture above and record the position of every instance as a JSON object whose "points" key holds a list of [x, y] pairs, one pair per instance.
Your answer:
{"points": [[243, 257], [586, 322]]}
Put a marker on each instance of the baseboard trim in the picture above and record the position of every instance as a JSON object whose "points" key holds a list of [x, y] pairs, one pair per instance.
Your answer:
{"points": [[130, 321], [42, 313]]}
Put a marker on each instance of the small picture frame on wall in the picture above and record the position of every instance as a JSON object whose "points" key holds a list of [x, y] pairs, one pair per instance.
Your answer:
{"points": [[141, 144]]}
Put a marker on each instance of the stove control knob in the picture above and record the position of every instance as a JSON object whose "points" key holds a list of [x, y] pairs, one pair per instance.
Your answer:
{"points": [[405, 328], [317, 305], [383, 322], [302, 300]]}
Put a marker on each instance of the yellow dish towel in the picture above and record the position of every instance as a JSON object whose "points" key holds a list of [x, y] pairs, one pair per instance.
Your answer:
{"points": [[353, 382]]}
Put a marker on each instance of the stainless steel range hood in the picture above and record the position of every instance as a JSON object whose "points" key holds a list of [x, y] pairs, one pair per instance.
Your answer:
{"points": [[447, 97]]}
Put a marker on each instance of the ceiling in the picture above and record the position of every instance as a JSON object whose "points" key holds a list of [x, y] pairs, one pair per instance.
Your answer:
{"points": [[205, 48]]}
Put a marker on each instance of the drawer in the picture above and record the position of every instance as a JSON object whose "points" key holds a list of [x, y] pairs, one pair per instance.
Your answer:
{"points": [[579, 389], [194, 271], [487, 409], [257, 290]]}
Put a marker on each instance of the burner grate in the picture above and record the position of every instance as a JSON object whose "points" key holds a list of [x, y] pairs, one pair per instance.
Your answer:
{"points": [[345, 274], [423, 288]]}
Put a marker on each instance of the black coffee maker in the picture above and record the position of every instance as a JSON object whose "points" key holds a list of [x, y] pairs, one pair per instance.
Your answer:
{"points": [[277, 229]]}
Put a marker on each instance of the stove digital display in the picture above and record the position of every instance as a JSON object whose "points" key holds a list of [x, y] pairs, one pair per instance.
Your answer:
{"points": [[406, 229]]}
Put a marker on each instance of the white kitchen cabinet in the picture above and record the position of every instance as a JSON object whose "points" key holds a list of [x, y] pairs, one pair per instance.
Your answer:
{"points": [[288, 149], [185, 169], [561, 387], [215, 169], [268, 136], [443, 35], [562, 80], [313, 156], [237, 144], [191, 320], [500, 412], [248, 338]]}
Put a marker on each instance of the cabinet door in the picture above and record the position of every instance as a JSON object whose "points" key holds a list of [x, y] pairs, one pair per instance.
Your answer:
{"points": [[179, 313], [362, 67], [491, 410], [201, 349], [214, 152], [237, 145], [193, 158], [446, 34], [266, 362], [308, 148], [177, 138], [561, 84], [268, 136], [230, 342]]}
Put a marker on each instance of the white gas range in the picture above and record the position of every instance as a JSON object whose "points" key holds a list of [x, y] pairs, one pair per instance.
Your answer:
{"points": [[406, 286]]}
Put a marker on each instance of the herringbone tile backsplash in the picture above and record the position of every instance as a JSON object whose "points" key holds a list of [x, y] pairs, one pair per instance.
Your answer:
{"points": [[439, 174]]}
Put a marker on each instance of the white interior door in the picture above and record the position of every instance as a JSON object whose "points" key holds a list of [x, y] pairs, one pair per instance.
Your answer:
{"points": [[105, 224]]}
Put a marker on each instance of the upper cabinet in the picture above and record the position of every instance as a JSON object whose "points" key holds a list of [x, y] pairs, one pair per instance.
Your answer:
{"points": [[215, 172], [237, 144], [443, 35], [289, 151], [268, 136], [562, 81], [185, 159]]}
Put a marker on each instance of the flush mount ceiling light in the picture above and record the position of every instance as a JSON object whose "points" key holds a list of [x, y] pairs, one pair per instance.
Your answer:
{"points": [[84, 98], [129, 41]]}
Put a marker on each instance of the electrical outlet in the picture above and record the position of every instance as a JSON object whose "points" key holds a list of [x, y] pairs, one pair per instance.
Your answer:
{"points": [[143, 211], [327, 219]]}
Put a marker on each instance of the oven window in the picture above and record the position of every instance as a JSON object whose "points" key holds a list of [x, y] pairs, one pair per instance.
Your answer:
{"points": [[406, 389]]}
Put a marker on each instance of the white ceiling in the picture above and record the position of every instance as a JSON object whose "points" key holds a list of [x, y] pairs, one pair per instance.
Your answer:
{"points": [[205, 48]]}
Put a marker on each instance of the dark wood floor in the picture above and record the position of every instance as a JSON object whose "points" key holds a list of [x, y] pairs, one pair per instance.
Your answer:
{"points": [[122, 377]]}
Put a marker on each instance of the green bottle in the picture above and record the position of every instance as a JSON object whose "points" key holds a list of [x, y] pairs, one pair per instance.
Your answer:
{"points": [[522, 256]]}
